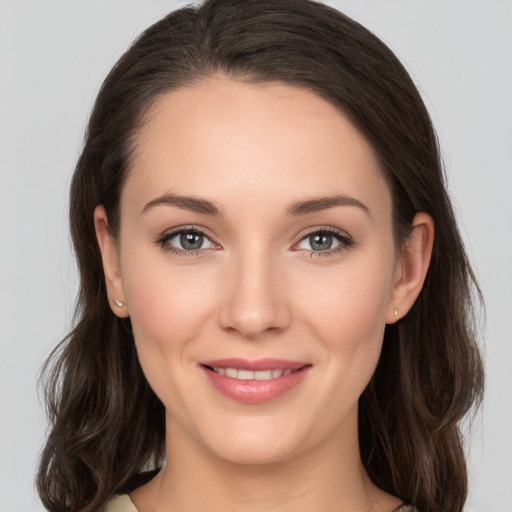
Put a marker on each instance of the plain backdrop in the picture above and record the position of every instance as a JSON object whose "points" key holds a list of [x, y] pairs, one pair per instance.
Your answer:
{"points": [[53, 57]]}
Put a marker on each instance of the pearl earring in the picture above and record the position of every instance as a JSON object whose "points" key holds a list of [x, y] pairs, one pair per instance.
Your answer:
{"points": [[118, 303], [396, 314]]}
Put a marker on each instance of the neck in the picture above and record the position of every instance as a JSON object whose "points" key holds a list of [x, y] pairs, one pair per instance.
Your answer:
{"points": [[326, 477]]}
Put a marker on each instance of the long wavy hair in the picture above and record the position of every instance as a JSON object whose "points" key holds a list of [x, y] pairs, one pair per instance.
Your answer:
{"points": [[106, 424]]}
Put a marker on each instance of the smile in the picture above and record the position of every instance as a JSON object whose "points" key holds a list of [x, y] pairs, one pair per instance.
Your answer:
{"points": [[238, 373], [254, 382]]}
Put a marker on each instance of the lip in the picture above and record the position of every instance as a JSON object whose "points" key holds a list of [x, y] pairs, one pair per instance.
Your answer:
{"points": [[255, 391], [255, 364]]}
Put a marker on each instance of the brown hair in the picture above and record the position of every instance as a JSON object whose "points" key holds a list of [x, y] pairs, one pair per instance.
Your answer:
{"points": [[107, 426]]}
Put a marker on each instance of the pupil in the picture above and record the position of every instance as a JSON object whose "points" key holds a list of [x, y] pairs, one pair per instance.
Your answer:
{"points": [[320, 242], [191, 241]]}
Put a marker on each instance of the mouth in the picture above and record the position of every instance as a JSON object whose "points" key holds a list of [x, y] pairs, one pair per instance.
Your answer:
{"points": [[254, 382], [242, 374]]}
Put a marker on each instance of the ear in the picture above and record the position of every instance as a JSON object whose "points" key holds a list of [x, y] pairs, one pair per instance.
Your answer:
{"points": [[111, 266], [412, 267]]}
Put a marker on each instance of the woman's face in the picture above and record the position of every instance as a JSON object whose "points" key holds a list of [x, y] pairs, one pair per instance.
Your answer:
{"points": [[256, 235]]}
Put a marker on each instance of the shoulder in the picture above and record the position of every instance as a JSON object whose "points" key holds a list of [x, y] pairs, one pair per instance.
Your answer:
{"points": [[120, 503]]}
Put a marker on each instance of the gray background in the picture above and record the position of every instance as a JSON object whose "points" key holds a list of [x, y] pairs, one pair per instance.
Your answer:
{"points": [[53, 56]]}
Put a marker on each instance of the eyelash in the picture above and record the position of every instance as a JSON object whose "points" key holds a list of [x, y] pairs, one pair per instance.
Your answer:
{"points": [[162, 241], [345, 241]]}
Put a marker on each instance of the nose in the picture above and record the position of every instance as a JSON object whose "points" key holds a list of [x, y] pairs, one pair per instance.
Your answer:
{"points": [[254, 301]]}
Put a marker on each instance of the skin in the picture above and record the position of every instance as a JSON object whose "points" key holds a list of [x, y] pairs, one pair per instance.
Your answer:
{"points": [[257, 289]]}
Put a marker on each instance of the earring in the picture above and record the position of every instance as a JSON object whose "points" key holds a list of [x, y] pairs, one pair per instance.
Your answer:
{"points": [[118, 303], [396, 314]]}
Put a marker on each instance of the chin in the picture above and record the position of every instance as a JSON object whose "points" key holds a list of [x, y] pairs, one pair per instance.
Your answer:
{"points": [[254, 442], [253, 453]]}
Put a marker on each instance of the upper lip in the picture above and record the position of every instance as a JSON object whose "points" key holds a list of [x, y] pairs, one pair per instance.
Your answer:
{"points": [[255, 364]]}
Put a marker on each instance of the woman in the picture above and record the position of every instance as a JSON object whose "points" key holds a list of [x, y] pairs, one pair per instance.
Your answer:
{"points": [[274, 299]]}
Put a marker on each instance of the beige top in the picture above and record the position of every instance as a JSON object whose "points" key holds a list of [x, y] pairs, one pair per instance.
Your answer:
{"points": [[123, 503], [120, 503]]}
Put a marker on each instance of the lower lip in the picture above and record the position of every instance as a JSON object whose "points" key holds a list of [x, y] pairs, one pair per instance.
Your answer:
{"points": [[255, 391]]}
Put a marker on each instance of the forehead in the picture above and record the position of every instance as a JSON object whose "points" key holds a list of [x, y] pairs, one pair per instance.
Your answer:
{"points": [[224, 140]]}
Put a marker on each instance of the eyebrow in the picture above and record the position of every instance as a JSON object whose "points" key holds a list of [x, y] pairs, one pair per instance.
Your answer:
{"points": [[192, 204], [323, 203], [206, 207]]}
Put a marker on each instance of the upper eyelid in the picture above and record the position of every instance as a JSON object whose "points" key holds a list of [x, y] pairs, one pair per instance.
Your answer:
{"points": [[306, 232], [322, 229], [182, 229]]}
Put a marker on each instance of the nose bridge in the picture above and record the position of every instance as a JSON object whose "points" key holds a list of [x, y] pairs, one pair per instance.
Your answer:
{"points": [[254, 302]]}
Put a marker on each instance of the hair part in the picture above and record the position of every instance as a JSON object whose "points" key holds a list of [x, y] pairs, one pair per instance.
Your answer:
{"points": [[107, 425]]}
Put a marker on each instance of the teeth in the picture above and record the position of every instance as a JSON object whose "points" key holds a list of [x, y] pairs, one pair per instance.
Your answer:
{"points": [[245, 375], [231, 372], [236, 373], [263, 375]]}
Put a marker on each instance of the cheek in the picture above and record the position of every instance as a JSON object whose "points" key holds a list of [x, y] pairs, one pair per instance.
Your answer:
{"points": [[168, 305], [346, 310], [351, 302], [163, 297]]}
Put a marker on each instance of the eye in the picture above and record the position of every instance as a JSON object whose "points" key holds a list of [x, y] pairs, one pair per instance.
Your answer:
{"points": [[324, 241], [183, 241]]}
